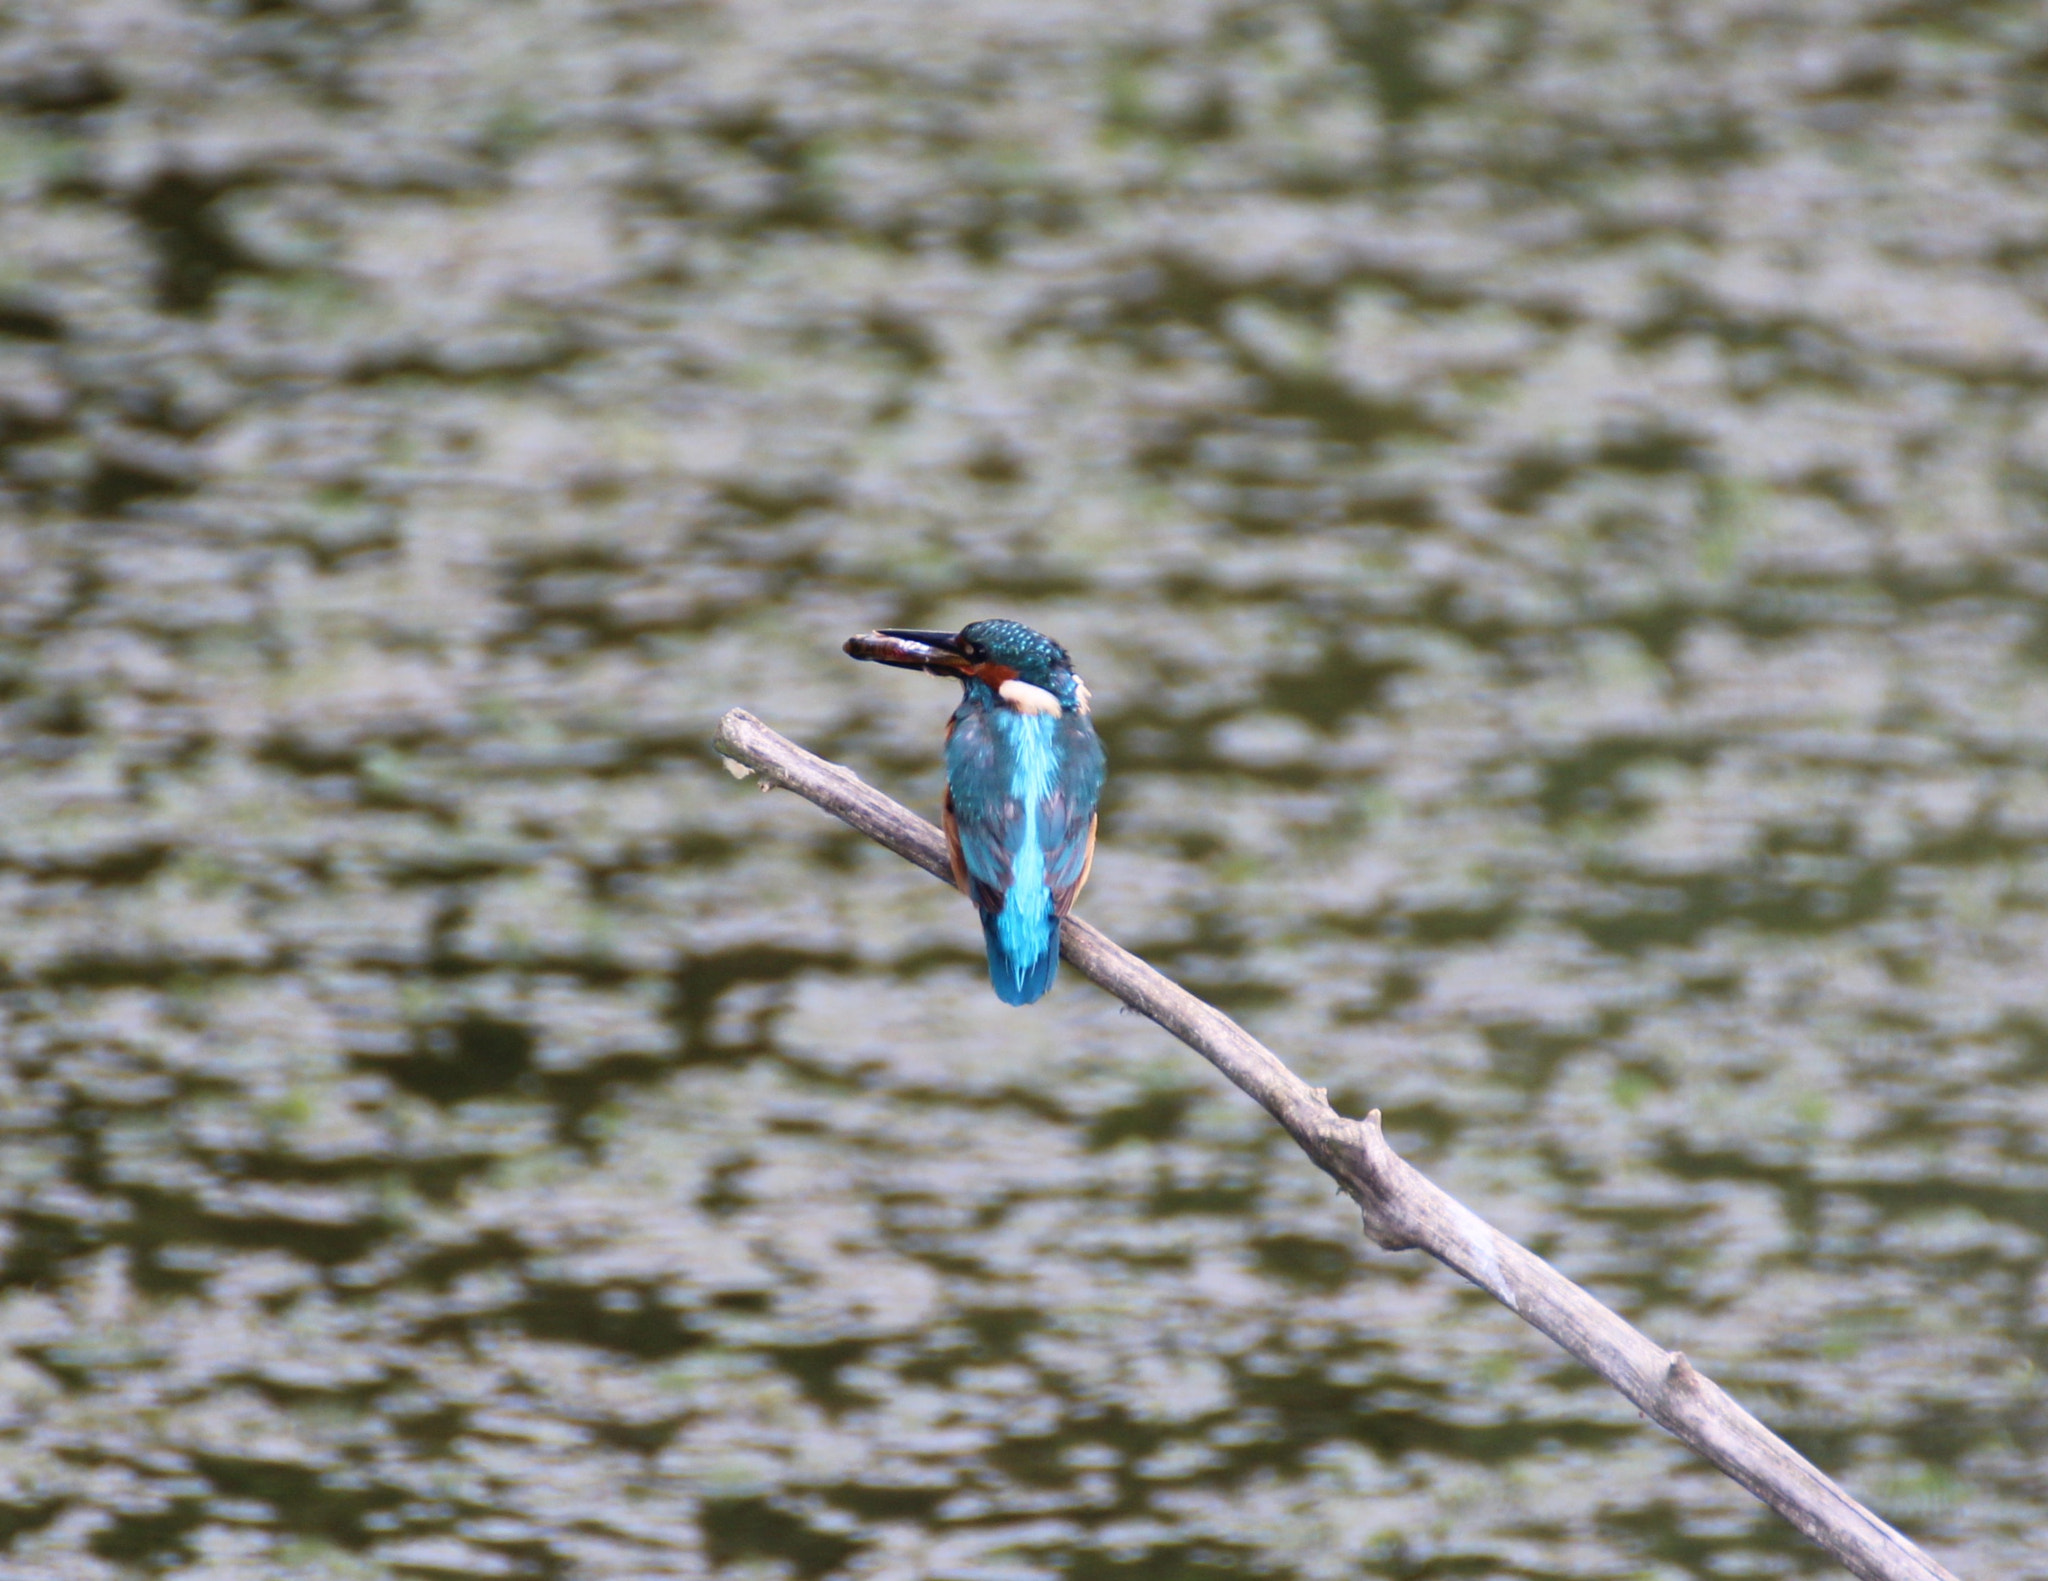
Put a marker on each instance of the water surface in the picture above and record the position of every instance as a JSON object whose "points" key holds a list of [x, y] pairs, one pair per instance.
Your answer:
{"points": [[1552, 504]]}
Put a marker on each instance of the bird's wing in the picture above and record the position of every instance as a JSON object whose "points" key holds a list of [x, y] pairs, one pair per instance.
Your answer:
{"points": [[1067, 817], [956, 853], [1063, 891], [975, 825]]}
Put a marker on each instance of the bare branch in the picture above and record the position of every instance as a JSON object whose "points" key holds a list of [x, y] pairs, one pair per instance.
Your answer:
{"points": [[1402, 1208]]}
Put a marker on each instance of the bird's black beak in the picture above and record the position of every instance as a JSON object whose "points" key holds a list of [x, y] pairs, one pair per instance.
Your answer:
{"points": [[935, 652]]}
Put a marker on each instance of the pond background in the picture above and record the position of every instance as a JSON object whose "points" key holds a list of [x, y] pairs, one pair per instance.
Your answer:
{"points": [[1552, 502]]}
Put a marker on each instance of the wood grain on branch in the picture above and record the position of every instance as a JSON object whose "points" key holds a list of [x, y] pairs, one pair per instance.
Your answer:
{"points": [[1403, 1209]]}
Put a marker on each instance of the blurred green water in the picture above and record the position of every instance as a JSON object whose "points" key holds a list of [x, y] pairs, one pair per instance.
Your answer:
{"points": [[1552, 503]]}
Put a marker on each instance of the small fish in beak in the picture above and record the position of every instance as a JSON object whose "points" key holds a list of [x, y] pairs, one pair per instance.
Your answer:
{"points": [[935, 652]]}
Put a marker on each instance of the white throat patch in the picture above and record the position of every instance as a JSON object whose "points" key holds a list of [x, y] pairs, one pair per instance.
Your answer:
{"points": [[1026, 698]]}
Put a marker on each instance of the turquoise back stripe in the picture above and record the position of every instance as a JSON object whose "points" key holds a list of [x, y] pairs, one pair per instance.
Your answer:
{"points": [[1025, 925]]}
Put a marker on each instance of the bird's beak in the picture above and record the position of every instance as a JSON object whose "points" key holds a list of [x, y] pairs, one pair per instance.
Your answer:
{"points": [[935, 652]]}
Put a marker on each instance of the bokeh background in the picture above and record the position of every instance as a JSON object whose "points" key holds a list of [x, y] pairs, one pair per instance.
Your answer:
{"points": [[1552, 500]]}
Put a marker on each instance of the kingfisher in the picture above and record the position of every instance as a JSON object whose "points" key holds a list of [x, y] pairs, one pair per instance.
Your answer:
{"points": [[1023, 773]]}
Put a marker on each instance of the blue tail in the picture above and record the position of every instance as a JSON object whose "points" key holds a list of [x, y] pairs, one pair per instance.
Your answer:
{"points": [[1018, 981]]}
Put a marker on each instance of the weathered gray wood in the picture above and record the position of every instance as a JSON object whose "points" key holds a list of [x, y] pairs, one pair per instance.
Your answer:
{"points": [[1402, 1208]]}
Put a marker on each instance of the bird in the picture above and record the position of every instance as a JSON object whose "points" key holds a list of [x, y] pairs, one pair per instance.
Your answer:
{"points": [[1024, 771]]}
